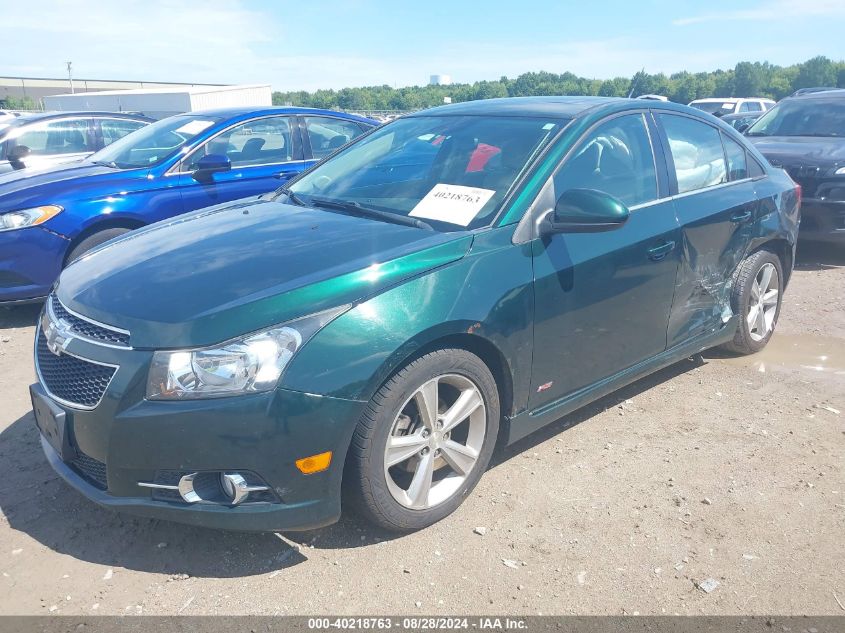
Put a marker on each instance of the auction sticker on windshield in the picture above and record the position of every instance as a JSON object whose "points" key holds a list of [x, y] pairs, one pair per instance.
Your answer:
{"points": [[455, 204]]}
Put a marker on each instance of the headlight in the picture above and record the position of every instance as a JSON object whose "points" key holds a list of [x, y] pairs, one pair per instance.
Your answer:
{"points": [[251, 364], [28, 217], [839, 172]]}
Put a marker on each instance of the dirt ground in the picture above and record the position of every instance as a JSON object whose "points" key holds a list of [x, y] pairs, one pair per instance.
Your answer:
{"points": [[715, 468]]}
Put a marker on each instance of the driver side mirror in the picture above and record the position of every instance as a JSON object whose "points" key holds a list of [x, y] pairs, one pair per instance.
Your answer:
{"points": [[210, 165], [585, 211], [17, 155]]}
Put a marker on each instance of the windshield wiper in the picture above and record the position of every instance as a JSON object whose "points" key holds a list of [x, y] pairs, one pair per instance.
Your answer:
{"points": [[292, 197], [106, 163], [357, 208]]}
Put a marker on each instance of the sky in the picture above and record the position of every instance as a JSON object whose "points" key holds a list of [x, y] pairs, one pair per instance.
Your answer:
{"points": [[311, 44]]}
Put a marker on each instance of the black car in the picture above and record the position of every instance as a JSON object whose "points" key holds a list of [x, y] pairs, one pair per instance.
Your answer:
{"points": [[741, 121], [806, 136], [45, 139]]}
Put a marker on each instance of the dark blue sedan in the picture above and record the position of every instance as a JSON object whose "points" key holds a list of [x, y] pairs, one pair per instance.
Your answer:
{"points": [[49, 218]]}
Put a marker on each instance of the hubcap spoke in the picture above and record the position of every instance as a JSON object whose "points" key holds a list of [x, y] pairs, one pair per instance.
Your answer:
{"points": [[766, 277], [421, 482], [402, 447], [760, 325], [464, 406], [461, 458], [770, 298], [752, 317], [426, 399], [755, 290]]}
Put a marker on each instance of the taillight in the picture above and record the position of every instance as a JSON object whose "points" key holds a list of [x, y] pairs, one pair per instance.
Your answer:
{"points": [[799, 193]]}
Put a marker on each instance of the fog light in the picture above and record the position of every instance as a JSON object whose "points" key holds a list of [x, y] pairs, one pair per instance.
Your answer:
{"points": [[315, 463]]}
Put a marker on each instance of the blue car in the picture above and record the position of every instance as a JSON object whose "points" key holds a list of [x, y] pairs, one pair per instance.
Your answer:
{"points": [[51, 217]]}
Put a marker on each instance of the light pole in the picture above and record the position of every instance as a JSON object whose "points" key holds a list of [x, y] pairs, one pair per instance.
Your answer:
{"points": [[70, 76]]}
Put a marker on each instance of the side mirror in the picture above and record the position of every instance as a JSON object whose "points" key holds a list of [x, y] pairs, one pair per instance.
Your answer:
{"points": [[741, 127], [585, 211], [211, 164], [17, 155]]}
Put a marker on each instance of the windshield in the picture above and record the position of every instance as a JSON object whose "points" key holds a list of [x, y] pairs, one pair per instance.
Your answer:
{"points": [[715, 107], [153, 143], [802, 117], [452, 172]]}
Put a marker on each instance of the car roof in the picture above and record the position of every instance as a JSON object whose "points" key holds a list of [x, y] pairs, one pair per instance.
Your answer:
{"points": [[834, 93], [233, 112], [29, 117], [555, 107]]}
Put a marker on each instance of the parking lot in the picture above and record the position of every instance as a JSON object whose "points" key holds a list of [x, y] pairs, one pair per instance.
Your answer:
{"points": [[715, 468]]}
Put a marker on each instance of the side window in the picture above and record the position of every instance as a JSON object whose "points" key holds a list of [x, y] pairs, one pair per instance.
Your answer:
{"points": [[737, 162], [615, 158], [66, 136], [754, 106], [697, 152], [258, 142], [114, 129], [745, 106], [755, 170], [327, 134]]}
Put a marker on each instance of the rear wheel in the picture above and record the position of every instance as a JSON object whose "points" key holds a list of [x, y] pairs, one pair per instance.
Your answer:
{"points": [[424, 440], [757, 298]]}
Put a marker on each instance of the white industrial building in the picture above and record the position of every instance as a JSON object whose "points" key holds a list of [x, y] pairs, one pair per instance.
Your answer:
{"points": [[161, 102]]}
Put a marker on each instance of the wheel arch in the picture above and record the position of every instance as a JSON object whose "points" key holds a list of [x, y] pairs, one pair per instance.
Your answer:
{"points": [[784, 251], [101, 224]]}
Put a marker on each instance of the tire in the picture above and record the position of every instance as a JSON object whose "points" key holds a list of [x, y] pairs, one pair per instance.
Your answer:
{"points": [[377, 490], [93, 240], [751, 338]]}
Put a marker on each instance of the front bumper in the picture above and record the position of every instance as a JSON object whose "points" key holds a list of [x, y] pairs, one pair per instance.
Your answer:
{"points": [[823, 220], [30, 261], [263, 434]]}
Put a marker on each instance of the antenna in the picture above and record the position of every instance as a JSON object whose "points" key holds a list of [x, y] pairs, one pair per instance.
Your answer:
{"points": [[70, 75]]}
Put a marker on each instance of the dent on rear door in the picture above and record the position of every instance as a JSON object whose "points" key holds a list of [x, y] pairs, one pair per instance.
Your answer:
{"points": [[713, 244]]}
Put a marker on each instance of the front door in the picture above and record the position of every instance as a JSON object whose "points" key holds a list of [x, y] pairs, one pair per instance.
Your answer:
{"points": [[717, 206], [264, 153], [602, 300]]}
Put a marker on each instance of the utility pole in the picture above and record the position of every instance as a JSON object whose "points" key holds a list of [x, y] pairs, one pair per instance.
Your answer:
{"points": [[70, 76]]}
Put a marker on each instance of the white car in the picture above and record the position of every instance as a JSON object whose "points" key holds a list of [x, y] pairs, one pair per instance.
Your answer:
{"points": [[732, 105]]}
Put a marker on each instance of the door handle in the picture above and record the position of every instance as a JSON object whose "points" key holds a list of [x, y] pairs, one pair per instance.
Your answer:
{"points": [[284, 175], [658, 253], [741, 216]]}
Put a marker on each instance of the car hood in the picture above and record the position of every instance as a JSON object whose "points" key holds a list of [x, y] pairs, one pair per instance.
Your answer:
{"points": [[217, 274], [32, 187], [792, 150]]}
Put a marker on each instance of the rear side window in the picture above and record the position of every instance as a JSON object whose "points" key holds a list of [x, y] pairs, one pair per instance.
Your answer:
{"points": [[327, 134], [66, 136], [697, 153], [114, 129], [615, 158], [737, 161]]}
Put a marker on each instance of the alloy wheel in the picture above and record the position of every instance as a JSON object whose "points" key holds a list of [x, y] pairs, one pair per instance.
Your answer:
{"points": [[763, 302], [435, 441]]}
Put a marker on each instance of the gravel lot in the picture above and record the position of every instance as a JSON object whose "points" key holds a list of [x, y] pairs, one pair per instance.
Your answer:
{"points": [[715, 468]]}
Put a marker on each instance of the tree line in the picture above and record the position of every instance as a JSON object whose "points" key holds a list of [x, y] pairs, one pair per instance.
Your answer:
{"points": [[746, 79]]}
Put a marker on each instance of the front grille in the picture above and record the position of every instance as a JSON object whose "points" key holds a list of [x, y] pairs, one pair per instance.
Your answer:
{"points": [[75, 381], [92, 470], [86, 328]]}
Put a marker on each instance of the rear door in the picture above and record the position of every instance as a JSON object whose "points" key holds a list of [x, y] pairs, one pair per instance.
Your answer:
{"points": [[602, 300], [323, 135], [264, 153], [716, 206]]}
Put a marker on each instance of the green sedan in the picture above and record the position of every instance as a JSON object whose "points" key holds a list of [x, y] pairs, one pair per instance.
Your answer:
{"points": [[366, 335]]}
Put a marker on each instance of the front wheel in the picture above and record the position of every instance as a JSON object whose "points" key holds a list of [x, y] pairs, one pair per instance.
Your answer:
{"points": [[757, 291], [424, 441]]}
